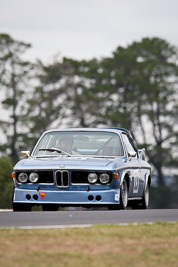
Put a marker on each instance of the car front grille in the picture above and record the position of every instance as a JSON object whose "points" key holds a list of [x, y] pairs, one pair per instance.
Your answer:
{"points": [[62, 178]]}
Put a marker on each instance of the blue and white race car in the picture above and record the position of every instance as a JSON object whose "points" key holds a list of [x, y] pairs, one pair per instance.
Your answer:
{"points": [[88, 167]]}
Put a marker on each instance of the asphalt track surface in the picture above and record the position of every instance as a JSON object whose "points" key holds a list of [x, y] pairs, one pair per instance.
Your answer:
{"points": [[80, 218]]}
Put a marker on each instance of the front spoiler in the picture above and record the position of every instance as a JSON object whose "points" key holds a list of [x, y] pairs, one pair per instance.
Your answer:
{"points": [[41, 197]]}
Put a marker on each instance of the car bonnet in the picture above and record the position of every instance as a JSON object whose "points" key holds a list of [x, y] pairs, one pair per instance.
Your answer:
{"points": [[66, 163]]}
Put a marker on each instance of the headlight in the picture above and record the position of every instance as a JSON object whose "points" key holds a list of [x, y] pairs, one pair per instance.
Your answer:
{"points": [[33, 177], [23, 177], [92, 178], [104, 178]]}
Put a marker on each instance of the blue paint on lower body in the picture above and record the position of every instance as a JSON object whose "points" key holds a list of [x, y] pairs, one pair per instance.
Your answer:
{"points": [[34, 197]]}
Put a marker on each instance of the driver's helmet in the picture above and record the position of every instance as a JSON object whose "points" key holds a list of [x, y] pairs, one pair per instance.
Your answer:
{"points": [[66, 138]]}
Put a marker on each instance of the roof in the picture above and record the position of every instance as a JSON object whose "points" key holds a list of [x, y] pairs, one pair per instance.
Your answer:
{"points": [[123, 130]]}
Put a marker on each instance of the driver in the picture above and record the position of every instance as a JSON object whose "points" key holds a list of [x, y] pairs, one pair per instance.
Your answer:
{"points": [[66, 143]]}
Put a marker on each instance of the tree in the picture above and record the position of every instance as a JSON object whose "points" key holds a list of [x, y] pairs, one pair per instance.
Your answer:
{"points": [[13, 83], [142, 96], [158, 101], [62, 97], [135, 88], [43, 106], [80, 98], [6, 183]]}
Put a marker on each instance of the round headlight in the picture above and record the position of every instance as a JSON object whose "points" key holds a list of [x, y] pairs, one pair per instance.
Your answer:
{"points": [[33, 177], [104, 178], [23, 177], [92, 178]]}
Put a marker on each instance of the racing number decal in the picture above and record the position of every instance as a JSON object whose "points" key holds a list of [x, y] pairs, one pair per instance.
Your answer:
{"points": [[136, 182]]}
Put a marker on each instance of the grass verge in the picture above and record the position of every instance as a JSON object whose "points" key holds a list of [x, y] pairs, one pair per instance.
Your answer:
{"points": [[101, 245]]}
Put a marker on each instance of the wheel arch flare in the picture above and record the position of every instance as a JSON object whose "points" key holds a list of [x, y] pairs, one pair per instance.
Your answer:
{"points": [[125, 175]]}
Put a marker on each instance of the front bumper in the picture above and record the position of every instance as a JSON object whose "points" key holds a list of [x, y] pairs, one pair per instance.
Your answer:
{"points": [[99, 197]]}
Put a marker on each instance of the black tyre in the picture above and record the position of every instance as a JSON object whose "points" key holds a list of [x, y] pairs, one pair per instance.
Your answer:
{"points": [[123, 195], [123, 198], [50, 207], [114, 207], [144, 203], [146, 197], [21, 207]]}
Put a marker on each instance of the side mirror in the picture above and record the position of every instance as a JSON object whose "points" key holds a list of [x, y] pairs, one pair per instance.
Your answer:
{"points": [[132, 153], [24, 154], [141, 153]]}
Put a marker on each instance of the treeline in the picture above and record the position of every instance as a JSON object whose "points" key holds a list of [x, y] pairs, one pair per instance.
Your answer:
{"points": [[136, 88]]}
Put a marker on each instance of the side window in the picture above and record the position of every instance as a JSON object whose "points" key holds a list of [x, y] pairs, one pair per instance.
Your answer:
{"points": [[128, 144]]}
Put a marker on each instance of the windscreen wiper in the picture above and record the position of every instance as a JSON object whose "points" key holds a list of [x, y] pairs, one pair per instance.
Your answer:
{"points": [[54, 149]]}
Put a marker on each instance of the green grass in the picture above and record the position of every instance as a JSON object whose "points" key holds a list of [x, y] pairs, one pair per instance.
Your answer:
{"points": [[101, 245]]}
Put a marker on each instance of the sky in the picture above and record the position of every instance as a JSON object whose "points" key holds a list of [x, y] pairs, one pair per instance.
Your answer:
{"points": [[84, 29]]}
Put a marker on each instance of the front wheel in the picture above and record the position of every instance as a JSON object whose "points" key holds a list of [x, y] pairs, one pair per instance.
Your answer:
{"points": [[146, 197], [123, 195], [123, 198]]}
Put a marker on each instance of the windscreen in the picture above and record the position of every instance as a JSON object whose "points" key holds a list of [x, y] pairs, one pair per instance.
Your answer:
{"points": [[79, 143]]}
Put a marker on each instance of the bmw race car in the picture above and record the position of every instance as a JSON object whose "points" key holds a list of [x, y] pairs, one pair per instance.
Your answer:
{"points": [[88, 167]]}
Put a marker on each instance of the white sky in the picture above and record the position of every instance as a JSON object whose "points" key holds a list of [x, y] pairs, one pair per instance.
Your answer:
{"points": [[83, 29]]}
